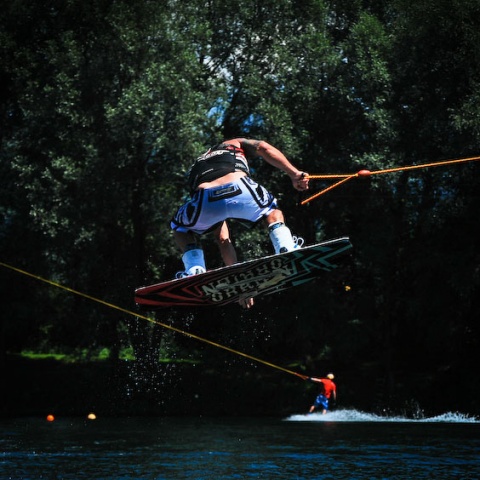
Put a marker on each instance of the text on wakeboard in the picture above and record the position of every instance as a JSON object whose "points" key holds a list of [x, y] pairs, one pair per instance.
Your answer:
{"points": [[265, 275]]}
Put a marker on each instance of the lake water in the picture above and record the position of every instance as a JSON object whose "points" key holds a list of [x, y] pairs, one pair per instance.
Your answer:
{"points": [[344, 444]]}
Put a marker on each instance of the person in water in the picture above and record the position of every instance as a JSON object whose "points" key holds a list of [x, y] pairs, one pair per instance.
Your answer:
{"points": [[328, 391], [221, 189]]}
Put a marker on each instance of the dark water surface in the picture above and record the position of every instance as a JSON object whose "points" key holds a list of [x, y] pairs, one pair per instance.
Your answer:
{"points": [[341, 445]]}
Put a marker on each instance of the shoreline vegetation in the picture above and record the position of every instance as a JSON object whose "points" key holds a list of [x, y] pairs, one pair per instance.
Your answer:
{"points": [[39, 384]]}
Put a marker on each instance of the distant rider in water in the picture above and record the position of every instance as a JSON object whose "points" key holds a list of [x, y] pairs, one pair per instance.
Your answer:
{"points": [[328, 390], [222, 189]]}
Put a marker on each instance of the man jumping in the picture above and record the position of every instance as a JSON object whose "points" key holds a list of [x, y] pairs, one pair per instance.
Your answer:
{"points": [[222, 189]]}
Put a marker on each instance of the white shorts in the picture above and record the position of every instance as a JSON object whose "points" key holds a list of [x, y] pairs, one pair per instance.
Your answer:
{"points": [[243, 199]]}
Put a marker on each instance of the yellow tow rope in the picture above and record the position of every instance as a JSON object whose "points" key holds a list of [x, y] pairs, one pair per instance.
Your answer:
{"points": [[151, 320]]}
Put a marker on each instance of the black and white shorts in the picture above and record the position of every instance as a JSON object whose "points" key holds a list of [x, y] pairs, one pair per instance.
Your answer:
{"points": [[243, 199]]}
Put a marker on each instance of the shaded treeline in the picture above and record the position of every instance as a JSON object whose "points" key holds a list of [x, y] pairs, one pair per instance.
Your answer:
{"points": [[106, 102]]}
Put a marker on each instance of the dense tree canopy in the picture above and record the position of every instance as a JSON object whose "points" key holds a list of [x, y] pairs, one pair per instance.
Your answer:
{"points": [[106, 102]]}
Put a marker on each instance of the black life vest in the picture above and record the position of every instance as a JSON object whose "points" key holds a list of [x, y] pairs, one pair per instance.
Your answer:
{"points": [[215, 163]]}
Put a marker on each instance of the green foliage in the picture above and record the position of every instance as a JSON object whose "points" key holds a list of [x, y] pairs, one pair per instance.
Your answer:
{"points": [[105, 104]]}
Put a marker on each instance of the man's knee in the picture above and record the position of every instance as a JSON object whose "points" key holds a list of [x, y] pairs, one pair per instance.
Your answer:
{"points": [[275, 216], [184, 240]]}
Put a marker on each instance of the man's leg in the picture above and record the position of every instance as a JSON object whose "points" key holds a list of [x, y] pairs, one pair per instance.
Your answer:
{"points": [[229, 256], [280, 234], [227, 250], [183, 240], [193, 258], [275, 216]]}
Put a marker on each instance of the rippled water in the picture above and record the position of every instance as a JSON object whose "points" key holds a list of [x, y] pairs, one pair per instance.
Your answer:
{"points": [[344, 444]]}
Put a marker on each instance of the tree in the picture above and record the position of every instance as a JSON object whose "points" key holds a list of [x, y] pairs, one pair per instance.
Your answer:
{"points": [[106, 104]]}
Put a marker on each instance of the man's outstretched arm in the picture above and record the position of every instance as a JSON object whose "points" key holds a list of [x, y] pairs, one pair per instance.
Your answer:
{"points": [[276, 158]]}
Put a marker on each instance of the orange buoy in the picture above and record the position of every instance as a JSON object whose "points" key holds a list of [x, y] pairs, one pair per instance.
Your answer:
{"points": [[364, 173]]}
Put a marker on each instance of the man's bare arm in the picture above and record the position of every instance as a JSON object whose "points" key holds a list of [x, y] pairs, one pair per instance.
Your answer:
{"points": [[276, 158]]}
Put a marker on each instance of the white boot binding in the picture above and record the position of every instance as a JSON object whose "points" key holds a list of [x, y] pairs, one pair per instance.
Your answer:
{"points": [[194, 261], [282, 238]]}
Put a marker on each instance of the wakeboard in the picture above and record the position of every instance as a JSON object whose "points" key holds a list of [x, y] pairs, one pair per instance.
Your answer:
{"points": [[253, 278]]}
